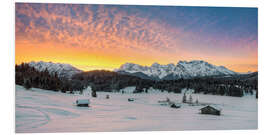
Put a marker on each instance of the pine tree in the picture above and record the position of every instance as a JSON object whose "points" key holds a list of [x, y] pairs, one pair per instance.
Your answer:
{"points": [[27, 84], [184, 98], [190, 98], [94, 94], [146, 90]]}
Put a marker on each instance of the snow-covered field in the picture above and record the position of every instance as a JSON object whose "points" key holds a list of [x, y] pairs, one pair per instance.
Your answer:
{"points": [[46, 111]]}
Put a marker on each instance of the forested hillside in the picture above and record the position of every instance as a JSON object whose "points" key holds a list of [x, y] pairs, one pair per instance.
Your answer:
{"points": [[101, 80]]}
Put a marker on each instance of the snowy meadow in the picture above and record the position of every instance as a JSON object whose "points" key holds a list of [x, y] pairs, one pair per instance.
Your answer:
{"points": [[39, 110]]}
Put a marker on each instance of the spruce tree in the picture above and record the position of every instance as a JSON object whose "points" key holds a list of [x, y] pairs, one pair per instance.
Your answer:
{"points": [[190, 98], [184, 98], [27, 84], [94, 94]]}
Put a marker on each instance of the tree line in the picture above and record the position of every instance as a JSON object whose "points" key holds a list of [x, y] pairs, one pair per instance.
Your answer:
{"points": [[209, 85], [112, 81], [101, 80], [29, 77], [108, 81]]}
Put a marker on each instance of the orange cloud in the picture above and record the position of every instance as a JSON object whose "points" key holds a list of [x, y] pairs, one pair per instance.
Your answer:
{"points": [[95, 36]]}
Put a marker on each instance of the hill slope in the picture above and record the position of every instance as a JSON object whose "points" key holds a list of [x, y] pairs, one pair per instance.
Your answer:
{"points": [[62, 70]]}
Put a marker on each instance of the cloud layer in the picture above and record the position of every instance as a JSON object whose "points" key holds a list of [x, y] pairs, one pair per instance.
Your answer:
{"points": [[92, 27], [141, 34]]}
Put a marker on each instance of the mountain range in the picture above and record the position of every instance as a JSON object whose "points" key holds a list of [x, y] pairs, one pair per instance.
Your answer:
{"points": [[183, 69], [62, 70]]}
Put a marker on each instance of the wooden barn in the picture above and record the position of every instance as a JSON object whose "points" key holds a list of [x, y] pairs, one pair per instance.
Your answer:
{"points": [[214, 110]]}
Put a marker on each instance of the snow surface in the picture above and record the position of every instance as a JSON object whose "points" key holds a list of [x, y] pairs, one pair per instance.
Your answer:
{"points": [[40, 110]]}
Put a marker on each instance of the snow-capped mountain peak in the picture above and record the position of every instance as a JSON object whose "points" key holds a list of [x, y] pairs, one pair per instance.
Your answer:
{"points": [[62, 70], [155, 65], [183, 69]]}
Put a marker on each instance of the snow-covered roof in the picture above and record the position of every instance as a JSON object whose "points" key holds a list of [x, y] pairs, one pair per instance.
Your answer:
{"points": [[213, 106], [82, 101]]}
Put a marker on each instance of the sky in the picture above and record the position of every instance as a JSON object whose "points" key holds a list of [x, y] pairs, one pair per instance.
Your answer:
{"points": [[92, 37]]}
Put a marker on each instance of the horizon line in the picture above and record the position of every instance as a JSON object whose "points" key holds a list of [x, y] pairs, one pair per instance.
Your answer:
{"points": [[80, 67]]}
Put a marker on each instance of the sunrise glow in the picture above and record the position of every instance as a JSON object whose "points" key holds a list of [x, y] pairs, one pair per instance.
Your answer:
{"points": [[93, 37]]}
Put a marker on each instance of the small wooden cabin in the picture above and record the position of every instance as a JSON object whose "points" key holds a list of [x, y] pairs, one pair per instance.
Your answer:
{"points": [[174, 105], [166, 102], [82, 102], [209, 109], [131, 99]]}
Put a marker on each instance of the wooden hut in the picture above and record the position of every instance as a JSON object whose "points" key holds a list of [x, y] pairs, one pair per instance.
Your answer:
{"points": [[210, 109], [82, 102], [131, 99], [174, 105]]}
